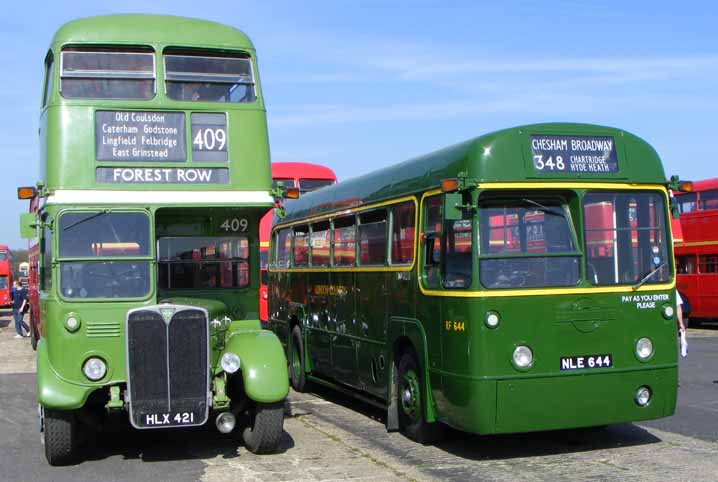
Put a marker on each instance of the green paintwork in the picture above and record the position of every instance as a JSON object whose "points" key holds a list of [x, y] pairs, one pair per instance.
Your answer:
{"points": [[468, 379], [28, 226], [68, 164], [262, 361]]}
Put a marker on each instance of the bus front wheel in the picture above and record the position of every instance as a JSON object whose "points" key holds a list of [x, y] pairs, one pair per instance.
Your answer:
{"points": [[411, 402], [296, 360], [264, 432], [60, 436]]}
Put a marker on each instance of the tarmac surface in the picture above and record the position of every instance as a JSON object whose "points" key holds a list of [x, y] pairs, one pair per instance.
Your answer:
{"points": [[329, 437]]}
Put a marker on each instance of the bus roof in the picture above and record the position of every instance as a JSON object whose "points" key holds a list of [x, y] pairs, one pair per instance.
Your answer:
{"points": [[138, 29], [305, 170], [702, 185], [501, 156]]}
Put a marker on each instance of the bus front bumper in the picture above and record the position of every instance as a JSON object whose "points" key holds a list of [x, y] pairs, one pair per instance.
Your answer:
{"points": [[516, 405]]}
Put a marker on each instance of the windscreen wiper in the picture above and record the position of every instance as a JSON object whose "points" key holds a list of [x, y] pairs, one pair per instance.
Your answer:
{"points": [[91, 216], [649, 275], [543, 208]]}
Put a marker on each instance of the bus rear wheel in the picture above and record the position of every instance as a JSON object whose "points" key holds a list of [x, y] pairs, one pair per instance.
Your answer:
{"points": [[60, 436], [411, 402], [296, 360], [264, 433]]}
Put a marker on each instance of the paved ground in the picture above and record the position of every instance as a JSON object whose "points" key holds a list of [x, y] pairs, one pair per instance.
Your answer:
{"points": [[329, 437]]}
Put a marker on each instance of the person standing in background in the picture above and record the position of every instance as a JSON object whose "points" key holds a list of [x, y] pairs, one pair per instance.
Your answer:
{"points": [[18, 294], [681, 325]]}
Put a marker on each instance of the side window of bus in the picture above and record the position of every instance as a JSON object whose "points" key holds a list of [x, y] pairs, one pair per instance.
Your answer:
{"points": [[708, 263], [708, 200], [284, 248], [686, 264], [344, 241], [432, 241], [301, 246], [49, 64], [687, 202], [372, 238], [459, 248], [46, 268], [97, 73], [402, 233], [320, 244]]}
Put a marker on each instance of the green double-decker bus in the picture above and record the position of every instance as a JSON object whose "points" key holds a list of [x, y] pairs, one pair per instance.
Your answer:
{"points": [[520, 281], [154, 175]]}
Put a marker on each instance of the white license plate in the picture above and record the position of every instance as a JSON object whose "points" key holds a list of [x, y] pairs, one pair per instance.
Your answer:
{"points": [[582, 362]]}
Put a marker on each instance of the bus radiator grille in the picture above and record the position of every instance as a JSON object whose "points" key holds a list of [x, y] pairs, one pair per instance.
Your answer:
{"points": [[167, 367]]}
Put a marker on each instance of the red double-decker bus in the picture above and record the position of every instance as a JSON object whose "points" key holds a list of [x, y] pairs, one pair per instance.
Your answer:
{"points": [[5, 276], [305, 176], [697, 253]]}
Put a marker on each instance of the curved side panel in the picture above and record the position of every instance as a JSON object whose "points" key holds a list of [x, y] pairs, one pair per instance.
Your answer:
{"points": [[263, 364], [52, 392], [411, 328]]}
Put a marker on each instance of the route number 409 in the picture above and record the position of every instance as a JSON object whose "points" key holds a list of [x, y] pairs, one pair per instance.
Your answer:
{"points": [[550, 163], [234, 225], [209, 139]]}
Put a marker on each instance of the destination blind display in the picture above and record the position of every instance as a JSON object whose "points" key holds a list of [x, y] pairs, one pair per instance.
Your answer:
{"points": [[140, 136], [574, 154]]}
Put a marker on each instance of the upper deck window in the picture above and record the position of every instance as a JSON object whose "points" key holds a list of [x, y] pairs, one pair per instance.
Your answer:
{"points": [[204, 77], [308, 185], [107, 74]]}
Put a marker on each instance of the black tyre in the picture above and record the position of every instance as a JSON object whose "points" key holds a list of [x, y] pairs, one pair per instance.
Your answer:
{"points": [[296, 360], [60, 436], [412, 403], [264, 433]]}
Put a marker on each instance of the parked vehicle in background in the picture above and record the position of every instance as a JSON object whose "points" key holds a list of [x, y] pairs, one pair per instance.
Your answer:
{"points": [[697, 253], [5, 276], [24, 273], [306, 177], [519, 281], [156, 161]]}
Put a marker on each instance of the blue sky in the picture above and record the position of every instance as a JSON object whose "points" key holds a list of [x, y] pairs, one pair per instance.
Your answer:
{"points": [[358, 85]]}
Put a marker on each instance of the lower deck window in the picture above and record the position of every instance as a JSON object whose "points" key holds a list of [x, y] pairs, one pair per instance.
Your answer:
{"points": [[104, 279], [203, 262]]}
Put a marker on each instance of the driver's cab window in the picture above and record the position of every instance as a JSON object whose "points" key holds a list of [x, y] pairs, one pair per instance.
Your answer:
{"points": [[432, 241]]}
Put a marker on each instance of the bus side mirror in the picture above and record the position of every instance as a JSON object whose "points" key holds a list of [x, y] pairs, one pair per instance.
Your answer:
{"points": [[675, 213], [27, 226], [453, 205]]}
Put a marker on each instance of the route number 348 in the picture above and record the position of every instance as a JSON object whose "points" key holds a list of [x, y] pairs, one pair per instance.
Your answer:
{"points": [[234, 225], [549, 164]]}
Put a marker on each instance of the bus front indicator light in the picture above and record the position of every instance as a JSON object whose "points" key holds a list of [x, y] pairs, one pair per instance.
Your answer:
{"points": [[523, 357], [94, 369], [668, 312], [644, 349], [72, 323], [643, 396], [492, 319]]}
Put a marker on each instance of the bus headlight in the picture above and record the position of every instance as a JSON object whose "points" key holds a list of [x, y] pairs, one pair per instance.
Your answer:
{"points": [[72, 323], [523, 357], [644, 349], [643, 396], [229, 362], [492, 319], [668, 312], [94, 369]]}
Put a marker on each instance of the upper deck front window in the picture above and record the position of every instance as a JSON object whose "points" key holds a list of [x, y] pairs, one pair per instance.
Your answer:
{"points": [[207, 77], [107, 74], [527, 243], [626, 240]]}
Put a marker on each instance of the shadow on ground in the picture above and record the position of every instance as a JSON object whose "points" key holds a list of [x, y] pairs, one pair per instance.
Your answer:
{"points": [[491, 447]]}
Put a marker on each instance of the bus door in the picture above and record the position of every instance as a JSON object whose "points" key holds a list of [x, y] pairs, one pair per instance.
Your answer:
{"points": [[341, 293], [372, 296], [310, 286]]}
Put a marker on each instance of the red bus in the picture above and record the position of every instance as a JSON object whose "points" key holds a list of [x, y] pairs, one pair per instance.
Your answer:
{"points": [[33, 258], [697, 253], [305, 176], [5, 276]]}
